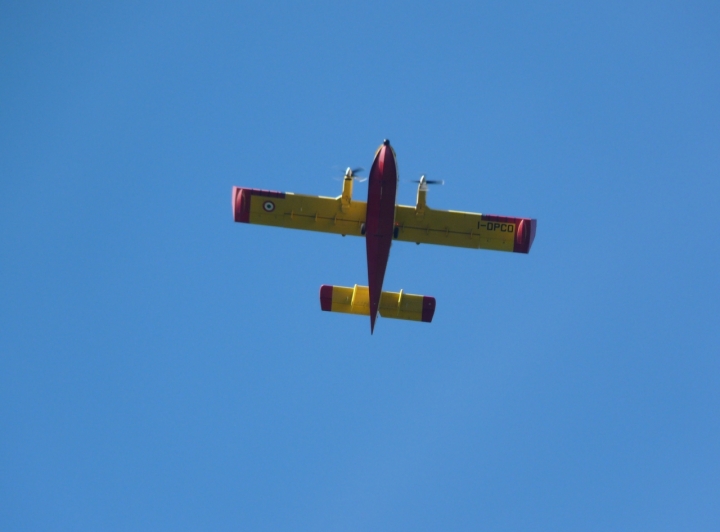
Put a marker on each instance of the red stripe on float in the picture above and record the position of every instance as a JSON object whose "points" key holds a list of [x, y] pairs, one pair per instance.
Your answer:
{"points": [[428, 308], [326, 297]]}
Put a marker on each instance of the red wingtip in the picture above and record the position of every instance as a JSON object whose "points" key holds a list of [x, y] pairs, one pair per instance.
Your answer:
{"points": [[241, 201], [525, 235], [241, 204]]}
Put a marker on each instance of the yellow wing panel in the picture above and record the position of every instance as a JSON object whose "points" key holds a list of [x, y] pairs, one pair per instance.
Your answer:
{"points": [[464, 229], [297, 211], [421, 224], [356, 300]]}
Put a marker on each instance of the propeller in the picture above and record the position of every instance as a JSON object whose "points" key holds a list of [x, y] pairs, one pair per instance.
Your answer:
{"points": [[351, 173], [424, 181]]}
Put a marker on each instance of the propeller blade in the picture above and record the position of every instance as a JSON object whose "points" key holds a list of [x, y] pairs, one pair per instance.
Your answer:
{"points": [[352, 172], [429, 181]]}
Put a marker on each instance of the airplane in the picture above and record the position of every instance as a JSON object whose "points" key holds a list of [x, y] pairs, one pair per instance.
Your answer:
{"points": [[380, 220]]}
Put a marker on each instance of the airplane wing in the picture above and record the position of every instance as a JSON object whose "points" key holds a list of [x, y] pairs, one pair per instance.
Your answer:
{"points": [[297, 211], [464, 229], [419, 224]]}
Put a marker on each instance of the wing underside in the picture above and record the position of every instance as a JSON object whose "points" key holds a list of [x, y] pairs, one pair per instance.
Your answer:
{"points": [[465, 229], [297, 211], [422, 226]]}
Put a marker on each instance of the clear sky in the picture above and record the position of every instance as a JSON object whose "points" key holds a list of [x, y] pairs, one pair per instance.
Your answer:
{"points": [[163, 368]]}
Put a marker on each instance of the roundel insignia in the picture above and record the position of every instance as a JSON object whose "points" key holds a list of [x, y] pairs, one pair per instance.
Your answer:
{"points": [[269, 206]]}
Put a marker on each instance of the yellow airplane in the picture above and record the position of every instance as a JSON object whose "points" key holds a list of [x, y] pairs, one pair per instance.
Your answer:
{"points": [[380, 220]]}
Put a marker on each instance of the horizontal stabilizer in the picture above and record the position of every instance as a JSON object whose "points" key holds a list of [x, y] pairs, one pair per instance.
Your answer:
{"points": [[356, 300]]}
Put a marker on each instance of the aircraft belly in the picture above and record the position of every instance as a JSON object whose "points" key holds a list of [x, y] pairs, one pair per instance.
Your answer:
{"points": [[380, 222]]}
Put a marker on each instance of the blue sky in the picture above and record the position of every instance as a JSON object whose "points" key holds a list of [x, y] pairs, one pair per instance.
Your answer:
{"points": [[162, 368]]}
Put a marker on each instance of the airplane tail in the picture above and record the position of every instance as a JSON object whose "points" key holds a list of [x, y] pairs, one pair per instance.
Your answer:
{"points": [[356, 300]]}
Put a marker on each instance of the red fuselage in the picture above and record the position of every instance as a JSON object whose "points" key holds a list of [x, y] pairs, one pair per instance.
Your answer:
{"points": [[380, 222]]}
